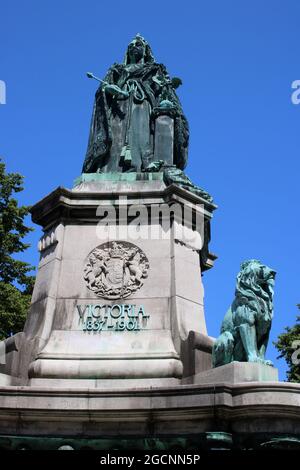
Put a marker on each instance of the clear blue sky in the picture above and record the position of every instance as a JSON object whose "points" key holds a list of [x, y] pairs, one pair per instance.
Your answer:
{"points": [[237, 60]]}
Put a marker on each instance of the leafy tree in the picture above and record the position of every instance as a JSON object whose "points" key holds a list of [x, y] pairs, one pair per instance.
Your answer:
{"points": [[288, 344], [15, 283]]}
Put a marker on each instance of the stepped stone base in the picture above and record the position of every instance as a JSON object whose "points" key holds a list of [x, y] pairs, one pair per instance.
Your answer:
{"points": [[236, 372], [188, 416]]}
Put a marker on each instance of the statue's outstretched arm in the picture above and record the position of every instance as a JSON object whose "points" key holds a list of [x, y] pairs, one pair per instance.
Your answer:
{"points": [[114, 90]]}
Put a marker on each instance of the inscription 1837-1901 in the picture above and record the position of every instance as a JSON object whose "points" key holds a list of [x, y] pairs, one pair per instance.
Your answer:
{"points": [[117, 317]]}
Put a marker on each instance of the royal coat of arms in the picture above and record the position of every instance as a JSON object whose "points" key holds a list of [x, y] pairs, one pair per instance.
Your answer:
{"points": [[116, 269]]}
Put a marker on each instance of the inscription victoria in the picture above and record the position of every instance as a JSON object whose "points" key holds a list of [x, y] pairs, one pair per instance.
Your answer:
{"points": [[117, 317]]}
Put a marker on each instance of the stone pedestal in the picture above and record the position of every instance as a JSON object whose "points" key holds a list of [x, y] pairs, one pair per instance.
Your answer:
{"points": [[236, 372], [66, 382], [5, 380], [110, 304], [198, 417]]}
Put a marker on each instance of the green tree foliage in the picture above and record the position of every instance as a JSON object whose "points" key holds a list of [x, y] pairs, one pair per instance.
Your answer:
{"points": [[288, 344], [15, 283]]}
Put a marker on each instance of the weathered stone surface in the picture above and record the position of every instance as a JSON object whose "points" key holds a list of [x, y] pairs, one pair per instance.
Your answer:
{"points": [[172, 300], [107, 369], [5, 380], [238, 372], [249, 407], [190, 317], [134, 383]]}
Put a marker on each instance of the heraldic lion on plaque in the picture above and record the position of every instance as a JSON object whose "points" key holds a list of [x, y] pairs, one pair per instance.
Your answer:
{"points": [[116, 270]]}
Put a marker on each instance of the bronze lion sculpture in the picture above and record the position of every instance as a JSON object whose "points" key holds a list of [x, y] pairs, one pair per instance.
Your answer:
{"points": [[246, 326]]}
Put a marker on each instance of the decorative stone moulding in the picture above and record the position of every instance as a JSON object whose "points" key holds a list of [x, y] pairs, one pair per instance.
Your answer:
{"points": [[47, 240]]}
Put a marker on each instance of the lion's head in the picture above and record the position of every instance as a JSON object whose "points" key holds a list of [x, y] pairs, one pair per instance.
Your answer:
{"points": [[256, 279]]}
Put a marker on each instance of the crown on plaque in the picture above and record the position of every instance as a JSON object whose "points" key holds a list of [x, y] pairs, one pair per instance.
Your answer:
{"points": [[117, 251]]}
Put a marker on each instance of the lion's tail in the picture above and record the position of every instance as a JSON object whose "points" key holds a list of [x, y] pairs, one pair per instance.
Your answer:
{"points": [[227, 324], [222, 352]]}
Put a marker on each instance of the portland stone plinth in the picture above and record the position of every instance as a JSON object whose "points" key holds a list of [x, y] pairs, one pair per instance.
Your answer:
{"points": [[111, 303]]}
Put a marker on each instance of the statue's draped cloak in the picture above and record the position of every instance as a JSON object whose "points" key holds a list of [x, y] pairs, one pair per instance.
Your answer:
{"points": [[110, 126]]}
